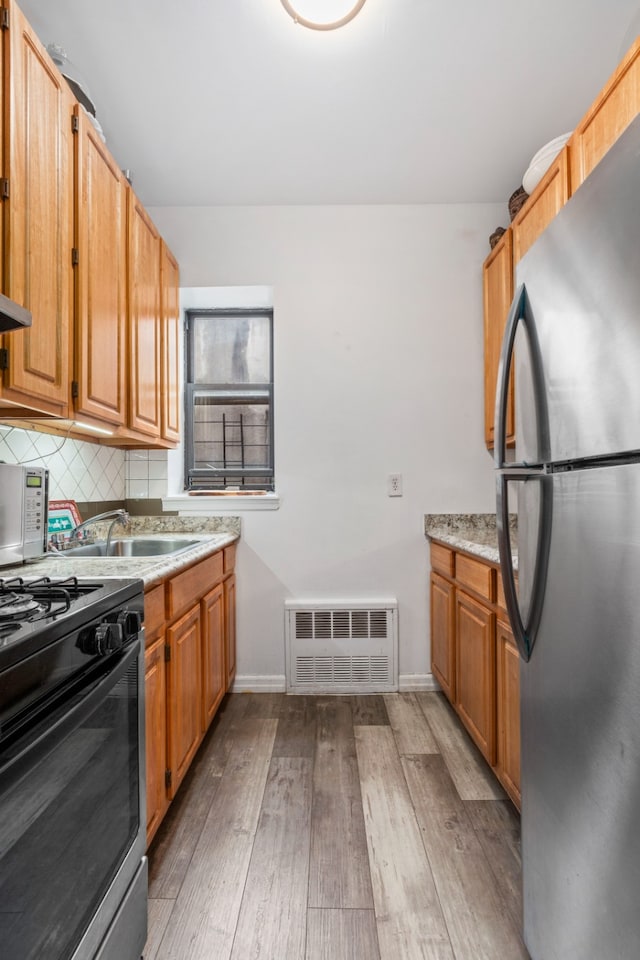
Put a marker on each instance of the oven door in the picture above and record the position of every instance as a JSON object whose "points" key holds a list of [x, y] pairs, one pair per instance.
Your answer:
{"points": [[71, 828]]}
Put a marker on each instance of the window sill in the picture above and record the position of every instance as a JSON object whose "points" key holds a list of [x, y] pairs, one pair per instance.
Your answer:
{"points": [[228, 503]]}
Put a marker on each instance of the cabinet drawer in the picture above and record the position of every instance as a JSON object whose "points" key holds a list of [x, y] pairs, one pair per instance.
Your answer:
{"points": [[478, 576], [153, 612], [187, 587], [229, 558], [443, 560]]}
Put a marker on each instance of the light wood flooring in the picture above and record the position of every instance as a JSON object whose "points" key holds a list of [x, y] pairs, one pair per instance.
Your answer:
{"points": [[337, 828]]}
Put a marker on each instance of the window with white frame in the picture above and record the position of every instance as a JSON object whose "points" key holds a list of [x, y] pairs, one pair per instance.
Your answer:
{"points": [[229, 399]]}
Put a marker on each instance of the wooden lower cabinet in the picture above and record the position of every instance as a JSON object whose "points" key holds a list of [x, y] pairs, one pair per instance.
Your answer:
{"points": [[184, 685], [443, 641], [508, 712], [230, 628], [476, 672], [214, 681], [190, 637], [474, 657], [156, 734]]}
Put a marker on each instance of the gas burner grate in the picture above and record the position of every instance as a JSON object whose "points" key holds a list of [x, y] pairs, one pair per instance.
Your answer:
{"points": [[32, 600], [73, 586]]}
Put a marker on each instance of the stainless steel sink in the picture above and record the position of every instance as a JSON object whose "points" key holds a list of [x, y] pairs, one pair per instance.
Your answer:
{"points": [[133, 547]]}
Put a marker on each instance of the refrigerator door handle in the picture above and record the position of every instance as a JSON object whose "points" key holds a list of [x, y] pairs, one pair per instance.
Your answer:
{"points": [[524, 633], [521, 310], [516, 313]]}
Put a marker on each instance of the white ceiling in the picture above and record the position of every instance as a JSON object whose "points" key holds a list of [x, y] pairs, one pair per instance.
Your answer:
{"points": [[415, 101]]}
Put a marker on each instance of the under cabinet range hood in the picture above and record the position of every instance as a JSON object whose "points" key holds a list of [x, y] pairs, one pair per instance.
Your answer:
{"points": [[12, 315]]}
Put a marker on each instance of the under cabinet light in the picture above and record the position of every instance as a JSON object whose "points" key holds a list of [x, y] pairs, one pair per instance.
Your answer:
{"points": [[89, 426]]}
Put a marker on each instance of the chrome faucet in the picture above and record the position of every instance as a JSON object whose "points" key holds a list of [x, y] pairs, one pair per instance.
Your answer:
{"points": [[116, 516]]}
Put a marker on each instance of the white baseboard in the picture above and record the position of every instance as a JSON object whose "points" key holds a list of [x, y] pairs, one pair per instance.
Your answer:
{"points": [[259, 684], [414, 682]]}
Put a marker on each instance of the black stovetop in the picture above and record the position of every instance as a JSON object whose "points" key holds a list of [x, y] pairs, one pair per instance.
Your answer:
{"points": [[35, 612]]}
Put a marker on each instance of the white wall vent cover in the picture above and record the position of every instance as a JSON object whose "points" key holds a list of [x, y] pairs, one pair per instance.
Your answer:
{"points": [[345, 646]]}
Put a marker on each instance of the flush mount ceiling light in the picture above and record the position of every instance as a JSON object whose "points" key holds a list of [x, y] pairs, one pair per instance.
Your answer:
{"points": [[322, 14]]}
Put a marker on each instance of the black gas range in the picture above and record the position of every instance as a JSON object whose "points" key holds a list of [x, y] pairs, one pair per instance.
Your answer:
{"points": [[53, 631], [72, 795]]}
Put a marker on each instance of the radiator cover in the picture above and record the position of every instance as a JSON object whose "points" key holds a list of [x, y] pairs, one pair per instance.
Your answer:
{"points": [[345, 646]]}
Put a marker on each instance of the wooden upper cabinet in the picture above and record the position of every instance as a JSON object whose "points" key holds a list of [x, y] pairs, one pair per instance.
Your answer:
{"points": [[100, 278], [144, 321], [607, 118], [170, 343], [548, 198], [37, 221], [497, 276]]}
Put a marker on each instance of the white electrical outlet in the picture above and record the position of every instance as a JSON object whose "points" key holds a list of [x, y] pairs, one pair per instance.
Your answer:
{"points": [[394, 485]]}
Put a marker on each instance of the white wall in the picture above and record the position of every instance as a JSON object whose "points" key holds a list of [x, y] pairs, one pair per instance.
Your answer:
{"points": [[378, 370]]}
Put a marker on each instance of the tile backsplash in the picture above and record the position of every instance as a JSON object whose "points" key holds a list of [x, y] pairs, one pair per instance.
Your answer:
{"points": [[87, 471], [146, 474], [77, 470]]}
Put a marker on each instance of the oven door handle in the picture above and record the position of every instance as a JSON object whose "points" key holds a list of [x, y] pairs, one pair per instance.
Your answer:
{"points": [[47, 738]]}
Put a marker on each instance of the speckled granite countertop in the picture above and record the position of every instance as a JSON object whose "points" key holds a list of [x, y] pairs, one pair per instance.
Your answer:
{"points": [[213, 533], [474, 532]]}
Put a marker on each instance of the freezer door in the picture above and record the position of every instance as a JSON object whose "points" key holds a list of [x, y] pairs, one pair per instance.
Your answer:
{"points": [[581, 724], [583, 284]]}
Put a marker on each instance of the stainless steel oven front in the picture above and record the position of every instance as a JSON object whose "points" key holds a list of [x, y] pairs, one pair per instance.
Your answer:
{"points": [[73, 874]]}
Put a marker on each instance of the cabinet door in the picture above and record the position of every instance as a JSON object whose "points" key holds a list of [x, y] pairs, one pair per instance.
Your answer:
{"points": [[548, 198], [100, 278], [443, 662], [38, 222], [184, 685], [230, 628], [144, 321], [213, 654], [156, 734], [607, 118], [170, 366], [508, 678], [3, 111], [476, 671], [497, 280]]}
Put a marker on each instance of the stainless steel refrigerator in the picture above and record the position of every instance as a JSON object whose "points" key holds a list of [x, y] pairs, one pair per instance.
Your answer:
{"points": [[574, 334]]}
